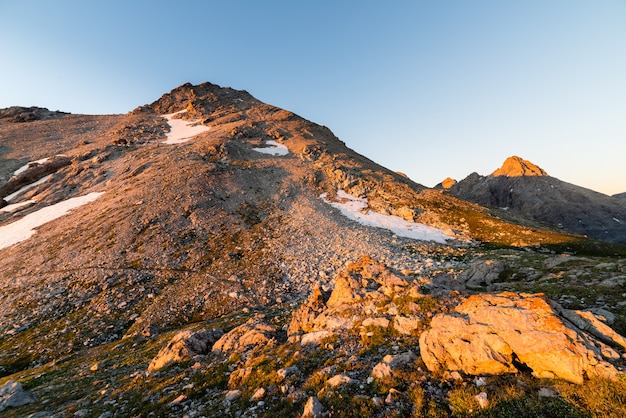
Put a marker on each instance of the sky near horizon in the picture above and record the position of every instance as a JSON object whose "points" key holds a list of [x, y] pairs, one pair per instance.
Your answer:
{"points": [[433, 89]]}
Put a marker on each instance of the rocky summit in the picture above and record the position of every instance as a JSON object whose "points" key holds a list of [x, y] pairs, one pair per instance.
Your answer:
{"points": [[521, 188], [515, 167], [210, 255]]}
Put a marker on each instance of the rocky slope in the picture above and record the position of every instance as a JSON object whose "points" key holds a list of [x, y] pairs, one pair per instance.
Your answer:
{"points": [[525, 190], [180, 286], [620, 196]]}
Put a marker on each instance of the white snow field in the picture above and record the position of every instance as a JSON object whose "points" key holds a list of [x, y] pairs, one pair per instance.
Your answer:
{"points": [[353, 208], [275, 148], [25, 228], [182, 130]]}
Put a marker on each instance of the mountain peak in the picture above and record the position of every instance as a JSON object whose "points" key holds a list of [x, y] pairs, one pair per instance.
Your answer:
{"points": [[516, 167]]}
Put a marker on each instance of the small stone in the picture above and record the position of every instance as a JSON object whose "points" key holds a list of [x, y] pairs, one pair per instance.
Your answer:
{"points": [[231, 395], [480, 381], [392, 396], [547, 393], [482, 400], [313, 408], [338, 380], [382, 371], [258, 394], [178, 400], [454, 375]]}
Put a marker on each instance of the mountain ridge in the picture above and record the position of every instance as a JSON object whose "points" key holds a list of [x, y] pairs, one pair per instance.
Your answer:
{"points": [[526, 190]]}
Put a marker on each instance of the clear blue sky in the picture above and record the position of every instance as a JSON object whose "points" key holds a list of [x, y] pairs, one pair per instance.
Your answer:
{"points": [[430, 88]]}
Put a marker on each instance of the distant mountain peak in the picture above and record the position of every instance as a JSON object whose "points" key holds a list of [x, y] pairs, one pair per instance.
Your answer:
{"points": [[516, 167], [448, 182]]}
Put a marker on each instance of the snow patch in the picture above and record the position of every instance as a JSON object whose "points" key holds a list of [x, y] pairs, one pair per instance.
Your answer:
{"points": [[275, 148], [25, 228], [182, 130], [617, 220], [356, 209], [27, 187], [15, 206]]}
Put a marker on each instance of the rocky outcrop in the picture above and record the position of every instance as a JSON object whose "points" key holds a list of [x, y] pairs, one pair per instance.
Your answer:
{"points": [[17, 114], [515, 167], [34, 172], [184, 346], [367, 293], [508, 332], [12, 395]]}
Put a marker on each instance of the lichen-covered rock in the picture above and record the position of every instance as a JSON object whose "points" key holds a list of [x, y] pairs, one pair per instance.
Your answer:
{"points": [[184, 346], [493, 334], [253, 333]]}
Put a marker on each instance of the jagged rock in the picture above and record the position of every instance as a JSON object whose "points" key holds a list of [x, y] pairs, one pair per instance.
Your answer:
{"points": [[303, 320], [493, 334], [12, 395], [253, 333], [313, 408], [184, 346]]}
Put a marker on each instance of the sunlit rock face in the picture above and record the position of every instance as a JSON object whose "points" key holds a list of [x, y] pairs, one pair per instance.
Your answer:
{"points": [[515, 167], [494, 334]]}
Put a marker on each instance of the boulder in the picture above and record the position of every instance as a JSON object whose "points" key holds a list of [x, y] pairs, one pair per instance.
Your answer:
{"points": [[253, 333], [184, 346], [482, 273], [407, 325], [12, 395], [493, 334]]}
